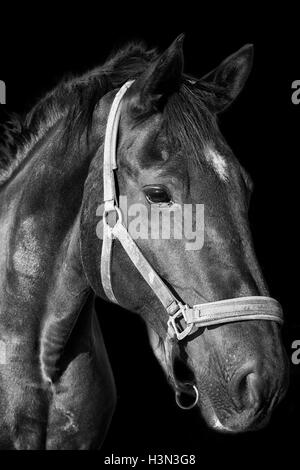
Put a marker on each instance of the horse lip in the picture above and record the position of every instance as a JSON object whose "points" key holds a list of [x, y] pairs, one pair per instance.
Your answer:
{"points": [[211, 418], [253, 425], [216, 425], [254, 422]]}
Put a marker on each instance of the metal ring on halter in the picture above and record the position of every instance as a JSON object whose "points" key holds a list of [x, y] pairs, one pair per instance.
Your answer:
{"points": [[108, 211], [188, 407]]}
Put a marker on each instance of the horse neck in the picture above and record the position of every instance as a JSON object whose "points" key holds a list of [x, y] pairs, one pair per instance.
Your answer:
{"points": [[42, 275]]}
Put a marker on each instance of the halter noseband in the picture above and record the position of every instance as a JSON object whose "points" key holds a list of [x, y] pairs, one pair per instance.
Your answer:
{"points": [[182, 317]]}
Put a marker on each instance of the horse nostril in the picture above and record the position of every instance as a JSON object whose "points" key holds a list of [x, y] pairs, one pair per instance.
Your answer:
{"points": [[245, 388]]}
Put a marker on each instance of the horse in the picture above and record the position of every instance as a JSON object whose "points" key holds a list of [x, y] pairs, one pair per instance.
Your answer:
{"points": [[58, 166]]}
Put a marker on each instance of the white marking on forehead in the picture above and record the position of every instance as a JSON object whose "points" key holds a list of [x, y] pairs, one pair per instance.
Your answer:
{"points": [[217, 161]]}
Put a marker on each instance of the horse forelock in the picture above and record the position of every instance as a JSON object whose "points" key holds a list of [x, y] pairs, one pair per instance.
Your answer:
{"points": [[188, 123]]}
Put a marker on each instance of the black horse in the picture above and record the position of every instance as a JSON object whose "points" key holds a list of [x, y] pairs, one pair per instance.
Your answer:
{"points": [[57, 388]]}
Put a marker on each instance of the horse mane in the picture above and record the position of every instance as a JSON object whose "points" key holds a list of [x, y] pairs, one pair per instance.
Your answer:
{"points": [[76, 98]]}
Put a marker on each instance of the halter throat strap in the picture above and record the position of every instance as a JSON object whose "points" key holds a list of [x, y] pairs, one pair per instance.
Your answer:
{"points": [[182, 317]]}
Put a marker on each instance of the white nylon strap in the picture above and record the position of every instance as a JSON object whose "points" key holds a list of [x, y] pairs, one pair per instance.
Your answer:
{"points": [[237, 309], [145, 269], [109, 192], [110, 143], [110, 204], [106, 256]]}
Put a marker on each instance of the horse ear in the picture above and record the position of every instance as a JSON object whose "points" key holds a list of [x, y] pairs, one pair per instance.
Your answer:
{"points": [[160, 80], [229, 78]]}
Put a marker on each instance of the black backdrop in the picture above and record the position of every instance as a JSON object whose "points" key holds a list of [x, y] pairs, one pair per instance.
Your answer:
{"points": [[261, 128]]}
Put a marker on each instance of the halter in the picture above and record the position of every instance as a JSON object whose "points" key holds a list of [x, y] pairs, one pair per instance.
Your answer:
{"points": [[182, 317]]}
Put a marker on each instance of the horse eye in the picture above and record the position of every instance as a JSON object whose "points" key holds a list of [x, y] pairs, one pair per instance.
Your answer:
{"points": [[157, 195]]}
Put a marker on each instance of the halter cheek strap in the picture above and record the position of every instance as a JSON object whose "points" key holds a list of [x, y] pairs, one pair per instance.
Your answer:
{"points": [[182, 317]]}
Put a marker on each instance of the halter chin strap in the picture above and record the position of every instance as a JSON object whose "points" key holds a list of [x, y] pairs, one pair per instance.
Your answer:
{"points": [[182, 318]]}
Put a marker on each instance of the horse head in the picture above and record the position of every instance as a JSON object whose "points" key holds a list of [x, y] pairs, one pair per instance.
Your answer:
{"points": [[173, 159]]}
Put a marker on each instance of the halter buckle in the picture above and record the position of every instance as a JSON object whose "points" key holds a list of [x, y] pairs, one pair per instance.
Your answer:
{"points": [[175, 322]]}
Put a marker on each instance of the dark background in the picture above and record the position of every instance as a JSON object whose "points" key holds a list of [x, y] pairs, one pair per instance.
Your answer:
{"points": [[261, 128]]}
